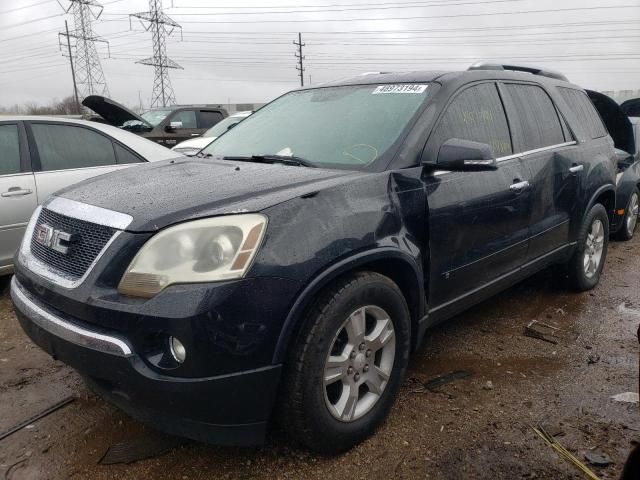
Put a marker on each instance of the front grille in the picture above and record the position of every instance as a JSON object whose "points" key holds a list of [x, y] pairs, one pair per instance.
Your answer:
{"points": [[88, 241]]}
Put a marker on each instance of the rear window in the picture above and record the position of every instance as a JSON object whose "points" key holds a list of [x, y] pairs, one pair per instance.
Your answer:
{"points": [[584, 110], [534, 119], [208, 118]]}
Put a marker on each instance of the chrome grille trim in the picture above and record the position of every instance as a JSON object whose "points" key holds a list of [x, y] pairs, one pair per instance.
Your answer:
{"points": [[88, 213]]}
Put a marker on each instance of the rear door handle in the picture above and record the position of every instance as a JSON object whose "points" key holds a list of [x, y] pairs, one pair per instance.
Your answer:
{"points": [[576, 168], [519, 186], [16, 192]]}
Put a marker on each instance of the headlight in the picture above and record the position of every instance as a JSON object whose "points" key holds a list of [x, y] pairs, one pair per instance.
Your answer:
{"points": [[209, 250]]}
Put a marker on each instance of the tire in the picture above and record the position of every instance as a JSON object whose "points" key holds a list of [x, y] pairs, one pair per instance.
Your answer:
{"points": [[630, 217], [588, 260], [318, 415]]}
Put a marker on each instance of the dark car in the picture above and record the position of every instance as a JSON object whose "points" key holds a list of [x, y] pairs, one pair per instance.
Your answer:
{"points": [[167, 126], [288, 272], [623, 132]]}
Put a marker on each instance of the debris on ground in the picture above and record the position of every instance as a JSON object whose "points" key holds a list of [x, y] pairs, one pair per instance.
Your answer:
{"points": [[542, 331], [593, 358], [488, 385], [626, 397], [38, 416], [597, 458], [436, 382], [141, 448], [566, 454]]}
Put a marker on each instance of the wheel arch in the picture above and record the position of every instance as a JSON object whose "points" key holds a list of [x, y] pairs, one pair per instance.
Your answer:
{"points": [[606, 195], [400, 267]]}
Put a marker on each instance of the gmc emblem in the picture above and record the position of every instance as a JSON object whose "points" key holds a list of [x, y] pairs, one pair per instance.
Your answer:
{"points": [[57, 240]]}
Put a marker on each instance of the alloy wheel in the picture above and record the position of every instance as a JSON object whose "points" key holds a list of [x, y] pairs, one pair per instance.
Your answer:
{"points": [[594, 247], [359, 363], [632, 216]]}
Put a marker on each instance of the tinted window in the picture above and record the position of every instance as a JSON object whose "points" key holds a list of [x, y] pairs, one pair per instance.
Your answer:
{"points": [[208, 119], [187, 117], [65, 146], [534, 119], [9, 150], [475, 114], [585, 112], [125, 156]]}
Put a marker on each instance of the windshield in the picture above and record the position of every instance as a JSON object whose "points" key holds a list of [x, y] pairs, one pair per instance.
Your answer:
{"points": [[335, 127], [222, 126], [154, 117]]}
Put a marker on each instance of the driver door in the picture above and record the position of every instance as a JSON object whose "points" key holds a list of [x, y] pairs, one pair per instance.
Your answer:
{"points": [[478, 221], [180, 126]]}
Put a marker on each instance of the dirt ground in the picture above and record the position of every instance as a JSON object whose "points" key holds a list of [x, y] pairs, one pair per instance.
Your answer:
{"points": [[465, 429]]}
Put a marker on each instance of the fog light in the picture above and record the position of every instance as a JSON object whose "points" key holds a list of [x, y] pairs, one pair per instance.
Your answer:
{"points": [[178, 352]]}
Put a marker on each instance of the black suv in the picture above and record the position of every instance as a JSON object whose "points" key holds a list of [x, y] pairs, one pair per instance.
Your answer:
{"points": [[166, 126], [291, 269]]}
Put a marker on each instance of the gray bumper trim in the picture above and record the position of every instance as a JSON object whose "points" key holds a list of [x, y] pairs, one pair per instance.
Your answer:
{"points": [[55, 325]]}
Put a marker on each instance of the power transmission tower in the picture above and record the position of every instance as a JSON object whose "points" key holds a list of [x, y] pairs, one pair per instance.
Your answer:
{"points": [[300, 57], [88, 74], [160, 25]]}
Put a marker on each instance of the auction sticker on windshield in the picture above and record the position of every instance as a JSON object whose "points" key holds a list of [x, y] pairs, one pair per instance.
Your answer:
{"points": [[410, 88]]}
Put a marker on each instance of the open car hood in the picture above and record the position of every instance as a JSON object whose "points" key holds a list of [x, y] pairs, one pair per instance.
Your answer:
{"points": [[114, 113], [616, 121], [631, 107]]}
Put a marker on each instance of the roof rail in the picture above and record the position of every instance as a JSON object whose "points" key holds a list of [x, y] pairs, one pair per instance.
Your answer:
{"points": [[519, 68]]}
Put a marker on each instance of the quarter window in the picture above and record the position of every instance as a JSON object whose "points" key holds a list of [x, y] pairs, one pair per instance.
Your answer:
{"points": [[62, 147], [476, 114], [585, 112], [124, 156], [533, 116], [9, 150], [209, 118]]}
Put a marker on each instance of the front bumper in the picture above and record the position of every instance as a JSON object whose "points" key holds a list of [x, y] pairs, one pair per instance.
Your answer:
{"points": [[230, 409]]}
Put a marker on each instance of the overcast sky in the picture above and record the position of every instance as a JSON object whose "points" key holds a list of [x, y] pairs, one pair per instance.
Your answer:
{"points": [[242, 51]]}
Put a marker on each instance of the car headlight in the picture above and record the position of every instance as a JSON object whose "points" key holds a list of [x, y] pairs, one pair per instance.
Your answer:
{"points": [[208, 250]]}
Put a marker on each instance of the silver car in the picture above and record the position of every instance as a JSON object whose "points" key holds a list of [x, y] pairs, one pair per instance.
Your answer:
{"points": [[39, 155]]}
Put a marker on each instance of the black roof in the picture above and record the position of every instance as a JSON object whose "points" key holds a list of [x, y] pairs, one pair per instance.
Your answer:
{"points": [[442, 77]]}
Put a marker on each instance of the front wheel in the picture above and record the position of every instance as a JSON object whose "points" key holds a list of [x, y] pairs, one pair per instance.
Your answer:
{"points": [[587, 262], [347, 364], [630, 220]]}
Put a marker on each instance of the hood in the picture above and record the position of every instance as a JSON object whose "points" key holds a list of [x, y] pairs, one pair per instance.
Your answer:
{"points": [[111, 111], [163, 193], [616, 121], [195, 143]]}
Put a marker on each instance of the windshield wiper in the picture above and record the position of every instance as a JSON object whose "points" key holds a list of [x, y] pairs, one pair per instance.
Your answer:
{"points": [[203, 155], [284, 159]]}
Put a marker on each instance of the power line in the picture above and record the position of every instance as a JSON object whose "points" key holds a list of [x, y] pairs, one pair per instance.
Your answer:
{"points": [[426, 17], [25, 7]]}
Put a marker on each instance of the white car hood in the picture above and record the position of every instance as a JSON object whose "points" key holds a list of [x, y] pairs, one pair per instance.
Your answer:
{"points": [[199, 143]]}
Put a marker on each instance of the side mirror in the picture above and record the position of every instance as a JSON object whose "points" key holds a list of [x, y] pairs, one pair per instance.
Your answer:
{"points": [[458, 155], [173, 126]]}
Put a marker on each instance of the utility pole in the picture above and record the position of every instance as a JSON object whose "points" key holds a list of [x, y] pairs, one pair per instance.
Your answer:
{"points": [[160, 25], [73, 73], [87, 74], [300, 57]]}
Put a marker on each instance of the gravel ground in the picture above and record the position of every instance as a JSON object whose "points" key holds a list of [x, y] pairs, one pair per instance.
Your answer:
{"points": [[478, 426]]}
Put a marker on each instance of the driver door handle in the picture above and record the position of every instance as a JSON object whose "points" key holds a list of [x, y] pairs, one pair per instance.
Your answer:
{"points": [[519, 186], [16, 192], [576, 168]]}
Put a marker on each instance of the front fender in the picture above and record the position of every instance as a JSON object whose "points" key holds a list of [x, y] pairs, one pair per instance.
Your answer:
{"points": [[358, 261]]}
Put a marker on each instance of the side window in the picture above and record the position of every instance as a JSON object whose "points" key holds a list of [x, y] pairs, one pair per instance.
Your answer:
{"points": [[209, 118], [475, 114], [533, 116], [124, 156], [187, 117], [581, 106], [9, 150], [65, 146]]}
